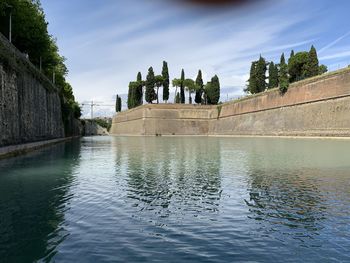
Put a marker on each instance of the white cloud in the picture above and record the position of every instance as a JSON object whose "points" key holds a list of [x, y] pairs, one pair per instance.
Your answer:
{"points": [[125, 40]]}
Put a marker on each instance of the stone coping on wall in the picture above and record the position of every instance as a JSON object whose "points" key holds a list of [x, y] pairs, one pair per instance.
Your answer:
{"points": [[170, 106], [165, 111]]}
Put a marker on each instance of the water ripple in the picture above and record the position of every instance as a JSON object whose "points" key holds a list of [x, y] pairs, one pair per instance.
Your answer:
{"points": [[177, 199]]}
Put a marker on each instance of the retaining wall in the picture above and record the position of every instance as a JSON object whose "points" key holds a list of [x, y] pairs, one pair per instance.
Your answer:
{"points": [[30, 107]]}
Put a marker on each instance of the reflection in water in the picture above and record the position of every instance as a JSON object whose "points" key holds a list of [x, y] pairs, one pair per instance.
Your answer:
{"points": [[172, 177], [178, 199], [290, 185], [33, 198], [286, 199]]}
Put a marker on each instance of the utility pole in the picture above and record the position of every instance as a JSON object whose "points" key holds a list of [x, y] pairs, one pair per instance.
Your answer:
{"points": [[40, 66]]}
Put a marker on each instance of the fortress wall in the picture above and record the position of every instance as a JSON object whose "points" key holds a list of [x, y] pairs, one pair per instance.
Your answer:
{"points": [[163, 119], [315, 107], [333, 85], [323, 118]]}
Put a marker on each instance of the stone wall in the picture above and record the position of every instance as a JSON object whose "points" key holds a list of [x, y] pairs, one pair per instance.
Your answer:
{"points": [[30, 107], [163, 119], [91, 128], [318, 106]]}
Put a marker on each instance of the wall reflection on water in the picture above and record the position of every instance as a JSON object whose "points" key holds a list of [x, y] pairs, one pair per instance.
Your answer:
{"points": [[170, 176], [286, 186], [200, 199], [34, 190], [293, 186]]}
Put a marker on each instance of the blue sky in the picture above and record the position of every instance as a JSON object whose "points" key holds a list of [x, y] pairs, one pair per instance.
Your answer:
{"points": [[107, 42]]}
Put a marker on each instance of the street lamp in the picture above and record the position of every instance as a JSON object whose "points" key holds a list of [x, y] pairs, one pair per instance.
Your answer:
{"points": [[9, 7]]}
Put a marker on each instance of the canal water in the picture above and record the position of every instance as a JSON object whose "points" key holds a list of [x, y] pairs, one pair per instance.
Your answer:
{"points": [[181, 199]]}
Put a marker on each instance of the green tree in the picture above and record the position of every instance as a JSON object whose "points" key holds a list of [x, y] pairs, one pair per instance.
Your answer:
{"points": [[166, 81], [139, 90], [207, 93], [182, 87], [261, 68], [158, 83], [322, 69], [132, 95], [199, 88], [312, 65], [150, 84], [283, 76], [252, 86], [297, 67], [120, 104], [30, 35], [273, 76], [291, 56], [117, 104], [213, 90], [29, 29]]}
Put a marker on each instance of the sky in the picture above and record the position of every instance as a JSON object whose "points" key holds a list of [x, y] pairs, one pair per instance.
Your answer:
{"points": [[107, 42]]}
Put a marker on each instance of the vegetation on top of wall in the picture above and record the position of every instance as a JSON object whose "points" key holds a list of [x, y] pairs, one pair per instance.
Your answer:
{"points": [[204, 94], [292, 85], [300, 66], [30, 36]]}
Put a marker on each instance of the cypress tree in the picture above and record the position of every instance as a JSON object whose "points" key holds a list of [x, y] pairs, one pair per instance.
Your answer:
{"points": [[312, 66], [166, 81], [129, 103], [117, 104], [199, 90], [273, 76], [132, 95], [213, 91], [120, 103], [283, 76], [139, 89], [252, 82], [291, 56], [182, 87], [261, 74], [150, 83]]}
